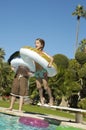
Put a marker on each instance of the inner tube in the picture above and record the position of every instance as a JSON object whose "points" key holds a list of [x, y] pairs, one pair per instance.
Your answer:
{"points": [[15, 60], [16, 54], [32, 53], [35, 122], [19, 61]]}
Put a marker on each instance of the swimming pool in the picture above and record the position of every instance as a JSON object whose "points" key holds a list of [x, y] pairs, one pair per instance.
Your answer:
{"points": [[8, 122]]}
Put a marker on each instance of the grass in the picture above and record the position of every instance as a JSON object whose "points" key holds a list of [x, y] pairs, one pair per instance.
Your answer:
{"points": [[40, 110]]}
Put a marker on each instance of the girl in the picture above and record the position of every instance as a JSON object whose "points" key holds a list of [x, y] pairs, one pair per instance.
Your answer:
{"points": [[20, 86], [41, 74]]}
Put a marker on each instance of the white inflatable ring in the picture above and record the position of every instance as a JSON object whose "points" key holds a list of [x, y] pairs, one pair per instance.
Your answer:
{"points": [[19, 61], [32, 53]]}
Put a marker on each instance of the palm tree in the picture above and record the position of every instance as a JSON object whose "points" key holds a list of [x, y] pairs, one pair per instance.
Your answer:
{"points": [[82, 46], [2, 54], [79, 12]]}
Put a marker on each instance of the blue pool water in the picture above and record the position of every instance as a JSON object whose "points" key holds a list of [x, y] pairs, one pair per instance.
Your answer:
{"points": [[8, 122]]}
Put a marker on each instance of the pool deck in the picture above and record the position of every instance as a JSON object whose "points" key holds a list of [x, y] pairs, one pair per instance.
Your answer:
{"points": [[57, 119]]}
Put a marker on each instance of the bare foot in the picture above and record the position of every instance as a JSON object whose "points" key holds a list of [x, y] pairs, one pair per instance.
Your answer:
{"points": [[9, 109], [20, 111], [42, 101], [51, 102]]}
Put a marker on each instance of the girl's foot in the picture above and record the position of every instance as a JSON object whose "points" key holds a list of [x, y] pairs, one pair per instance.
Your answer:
{"points": [[9, 109], [20, 111], [42, 101], [51, 102]]}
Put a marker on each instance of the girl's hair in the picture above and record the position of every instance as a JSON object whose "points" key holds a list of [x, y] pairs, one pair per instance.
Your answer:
{"points": [[42, 42]]}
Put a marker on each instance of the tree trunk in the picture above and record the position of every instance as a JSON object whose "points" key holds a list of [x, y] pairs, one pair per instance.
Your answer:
{"points": [[77, 34]]}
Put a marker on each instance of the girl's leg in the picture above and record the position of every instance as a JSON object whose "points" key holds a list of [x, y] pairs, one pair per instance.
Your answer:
{"points": [[12, 102], [39, 87], [21, 103], [47, 88]]}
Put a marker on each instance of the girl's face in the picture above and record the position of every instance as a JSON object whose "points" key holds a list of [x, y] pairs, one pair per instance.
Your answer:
{"points": [[38, 45]]}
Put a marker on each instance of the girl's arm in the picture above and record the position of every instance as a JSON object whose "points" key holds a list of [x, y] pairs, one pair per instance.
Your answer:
{"points": [[51, 59]]}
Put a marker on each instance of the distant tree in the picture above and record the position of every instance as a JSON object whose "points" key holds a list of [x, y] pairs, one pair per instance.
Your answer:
{"points": [[82, 77], [79, 12], [6, 79], [71, 86], [82, 46], [82, 103], [2, 54], [74, 65], [56, 84], [61, 61], [80, 54], [80, 57]]}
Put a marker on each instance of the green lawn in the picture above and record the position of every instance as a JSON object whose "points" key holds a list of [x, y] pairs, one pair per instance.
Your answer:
{"points": [[41, 110]]}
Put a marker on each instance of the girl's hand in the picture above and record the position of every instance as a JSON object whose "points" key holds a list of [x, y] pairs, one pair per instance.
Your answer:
{"points": [[49, 65]]}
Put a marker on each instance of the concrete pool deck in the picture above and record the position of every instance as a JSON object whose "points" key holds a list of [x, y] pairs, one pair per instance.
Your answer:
{"points": [[58, 120]]}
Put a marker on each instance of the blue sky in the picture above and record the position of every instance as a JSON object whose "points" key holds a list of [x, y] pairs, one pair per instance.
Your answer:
{"points": [[22, 21]]}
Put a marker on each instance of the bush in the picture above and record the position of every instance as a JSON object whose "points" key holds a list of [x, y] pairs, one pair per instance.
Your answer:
{"points": [[82, 103], [61, 60], [80, 57]]}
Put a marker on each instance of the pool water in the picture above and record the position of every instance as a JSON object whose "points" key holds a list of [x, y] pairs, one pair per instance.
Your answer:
{"points": [[8, 122]]}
